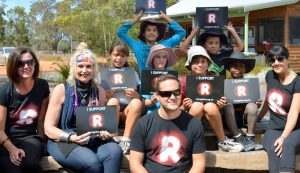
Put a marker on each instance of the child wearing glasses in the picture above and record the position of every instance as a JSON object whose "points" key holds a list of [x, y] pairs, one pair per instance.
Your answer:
{"points": [[282, 138], [160, 58], [198, 62], [129, 100], [23, 104], [241, 115]]}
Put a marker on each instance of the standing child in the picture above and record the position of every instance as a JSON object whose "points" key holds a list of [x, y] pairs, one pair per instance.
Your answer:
{"points": [[160, 58], [241, 115], [130, 111], [151, 33], [213, 41], [198, 62]]}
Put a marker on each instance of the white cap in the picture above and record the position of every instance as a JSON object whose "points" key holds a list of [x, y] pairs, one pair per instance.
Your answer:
{"points": [[196, 50]]}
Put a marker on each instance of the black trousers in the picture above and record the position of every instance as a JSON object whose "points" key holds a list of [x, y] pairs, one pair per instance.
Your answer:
{"points": [[290, 148], [33, 148]]}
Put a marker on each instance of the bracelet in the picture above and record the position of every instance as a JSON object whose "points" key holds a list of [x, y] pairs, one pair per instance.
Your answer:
{"points": [[4, 140], [64, 137], [69, 138]]}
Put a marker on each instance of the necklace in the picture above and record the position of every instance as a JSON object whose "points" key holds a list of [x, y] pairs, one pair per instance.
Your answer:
{"points": [[83, 101]]}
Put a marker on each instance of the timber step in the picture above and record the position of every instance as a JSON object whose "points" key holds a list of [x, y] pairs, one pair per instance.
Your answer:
{"points": [[254, 160]]}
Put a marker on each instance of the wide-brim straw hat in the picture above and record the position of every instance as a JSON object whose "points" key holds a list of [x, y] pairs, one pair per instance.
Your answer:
{"points": [[172, 58]]}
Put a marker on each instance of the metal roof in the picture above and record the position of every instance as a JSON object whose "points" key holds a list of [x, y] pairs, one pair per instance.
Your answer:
{"points": [[188, 7]]}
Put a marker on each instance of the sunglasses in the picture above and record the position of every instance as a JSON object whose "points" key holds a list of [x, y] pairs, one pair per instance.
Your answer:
{"points": [[169, 93], [279, 59], [30, 62]]}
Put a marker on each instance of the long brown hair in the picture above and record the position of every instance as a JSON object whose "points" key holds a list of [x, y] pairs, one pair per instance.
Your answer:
{"points": [[13, 60]]}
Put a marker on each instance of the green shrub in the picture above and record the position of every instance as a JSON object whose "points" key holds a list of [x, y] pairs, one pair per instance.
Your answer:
{"points": [[179, 66], [259, 67], [62, 68]]}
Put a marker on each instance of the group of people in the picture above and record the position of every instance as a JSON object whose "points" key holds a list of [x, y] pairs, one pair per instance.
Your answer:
{"points": [[163, 131]]}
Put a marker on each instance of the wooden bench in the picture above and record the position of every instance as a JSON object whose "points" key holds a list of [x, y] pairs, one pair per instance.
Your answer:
{"points": [[254, 160]]}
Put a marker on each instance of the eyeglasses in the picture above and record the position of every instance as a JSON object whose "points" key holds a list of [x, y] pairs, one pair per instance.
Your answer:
{"points": [[169, 93], [279, 59], [30, 62]]}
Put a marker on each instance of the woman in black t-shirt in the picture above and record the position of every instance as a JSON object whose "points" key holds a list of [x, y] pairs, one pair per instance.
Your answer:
{"points": [[23, 104], [283, 102]]}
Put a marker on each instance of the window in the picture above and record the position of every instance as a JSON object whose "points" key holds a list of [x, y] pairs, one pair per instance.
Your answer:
{"points": [[270, 31], [240, 32], [294, 32]]}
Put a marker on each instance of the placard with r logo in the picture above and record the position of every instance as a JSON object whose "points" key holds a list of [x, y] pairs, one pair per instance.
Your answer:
{"points": [[245, 90], [211, 17], [149, 78], [150, 6], [204, 88], [117, 78]]}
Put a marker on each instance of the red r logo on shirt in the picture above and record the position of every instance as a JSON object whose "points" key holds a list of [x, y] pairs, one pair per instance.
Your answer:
{"points": [[169, 149]]}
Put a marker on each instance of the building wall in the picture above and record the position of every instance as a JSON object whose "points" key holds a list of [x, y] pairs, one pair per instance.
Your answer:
{"points": [[275, 12]]}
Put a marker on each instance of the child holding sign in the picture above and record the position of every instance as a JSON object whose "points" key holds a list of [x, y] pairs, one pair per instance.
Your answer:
{"points": [[151, 33], [213, 41], [238, 115], [131, 109], [160, 58], [198, 62]]}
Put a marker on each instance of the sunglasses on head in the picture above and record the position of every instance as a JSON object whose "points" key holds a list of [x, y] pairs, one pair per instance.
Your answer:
{"points": [[279, 59], [169, 93], [30, 62]]}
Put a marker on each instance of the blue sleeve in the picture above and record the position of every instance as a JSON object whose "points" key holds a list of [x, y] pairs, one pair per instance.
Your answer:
{"points": [[123, 35], [177, 37]]}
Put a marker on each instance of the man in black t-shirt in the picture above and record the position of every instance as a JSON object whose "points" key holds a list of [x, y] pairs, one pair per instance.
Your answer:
{"points": [[168, 139]]}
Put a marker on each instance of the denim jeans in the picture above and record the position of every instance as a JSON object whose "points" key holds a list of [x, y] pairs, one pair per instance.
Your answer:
{"points": [[96, 157]]}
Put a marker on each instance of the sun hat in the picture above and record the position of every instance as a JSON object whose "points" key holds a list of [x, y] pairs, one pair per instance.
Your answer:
{"points": [[238, 56], [161, 27], [193, 51], [172, 58], [212, 32]]}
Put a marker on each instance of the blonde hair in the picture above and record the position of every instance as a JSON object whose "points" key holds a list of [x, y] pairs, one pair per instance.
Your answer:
{"points": [[88, 53], [82, 46]]}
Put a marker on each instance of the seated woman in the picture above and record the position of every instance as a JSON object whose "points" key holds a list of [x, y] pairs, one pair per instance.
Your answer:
{"points": [[129, 99], [282, 138], [86, 152], [23, 104]]}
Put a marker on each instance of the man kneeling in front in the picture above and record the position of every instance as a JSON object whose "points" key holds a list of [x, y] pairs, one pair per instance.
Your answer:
{"points": [[168, 139]]}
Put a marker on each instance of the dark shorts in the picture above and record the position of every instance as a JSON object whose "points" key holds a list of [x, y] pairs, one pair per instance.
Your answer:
{"points": [[240, 119]]}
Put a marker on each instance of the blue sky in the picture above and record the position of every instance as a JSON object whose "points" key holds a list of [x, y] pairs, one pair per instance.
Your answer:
{"points": [[23, 3]]}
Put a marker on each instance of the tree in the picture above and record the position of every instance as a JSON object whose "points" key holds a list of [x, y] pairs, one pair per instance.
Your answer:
{"points": [[45, 34], [171, 2], [2, 23], [93, 21], [17, 27]]}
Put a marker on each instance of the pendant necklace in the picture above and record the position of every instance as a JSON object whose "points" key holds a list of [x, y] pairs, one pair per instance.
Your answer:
{"points": [[83, 101]]}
